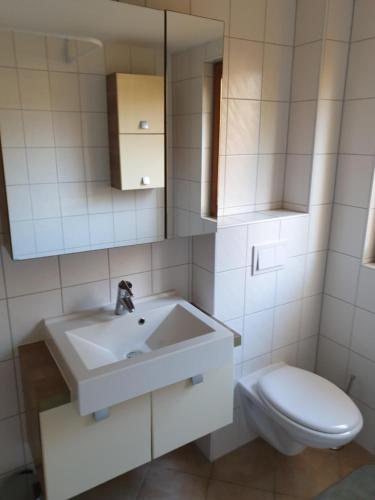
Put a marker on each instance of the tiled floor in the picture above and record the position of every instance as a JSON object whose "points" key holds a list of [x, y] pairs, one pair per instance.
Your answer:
{"points": [[254, 472]]}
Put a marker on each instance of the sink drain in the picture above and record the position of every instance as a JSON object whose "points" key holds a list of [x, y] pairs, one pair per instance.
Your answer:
{"points": [[133, 354]]}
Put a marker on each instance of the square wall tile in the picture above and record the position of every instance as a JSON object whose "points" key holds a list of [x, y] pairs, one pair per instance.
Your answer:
{"points": [[333, 72], [348, 230], [342, 275], [213, 9], [315, 273], [204, 247], [129, 260], [363, 340], [45, 201], [64, 91], [361, 73], [76, 231], [7, 56], [12, 134], [245, 69], [9, 93], [32, 276], [171, 278], [290, 280], [295, 231], [332, 362], [99, 197], [319, 230], [243, 127], [247, 19], [280, 20], [354, 180], [125, 226], [48, 236], [364, 371], [88, 296], [310, 21], [306, 68], [34, 87], [277, 68], [95, 132], [358, 127], [23, 238], [287, 324], [327, 132], [240, 180], [301, 127], [70, 164], [175, 5], [84, 267], [337, 320], [364, 20], [101, 228], [310, 316], [297, 179], [19, 203], [306, 355], [41, 164], [73, 198], [96, 164], [229, 294], [323, 179], [270, 178], [339, 19], [30, 50], [260, 291], [15, 167], [273, 127], [366, 289], [257, 336], [67, 126], [38, 129], [170, 253], [27, 313], [203, 289], [228, 255], [93, 93]]}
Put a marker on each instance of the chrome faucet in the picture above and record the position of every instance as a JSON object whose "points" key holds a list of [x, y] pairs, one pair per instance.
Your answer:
{"points": [[124, 301]]}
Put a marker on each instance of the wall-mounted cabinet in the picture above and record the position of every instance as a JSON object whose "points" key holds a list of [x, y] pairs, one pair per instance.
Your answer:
{"points": [[136, 130], [86, 135]]}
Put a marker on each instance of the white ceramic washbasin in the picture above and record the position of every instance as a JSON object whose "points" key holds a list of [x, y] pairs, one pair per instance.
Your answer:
{"points": [[107, 359]]}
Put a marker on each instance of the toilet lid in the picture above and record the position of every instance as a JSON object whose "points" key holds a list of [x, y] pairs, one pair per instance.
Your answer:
{"points": [[309, 400]]}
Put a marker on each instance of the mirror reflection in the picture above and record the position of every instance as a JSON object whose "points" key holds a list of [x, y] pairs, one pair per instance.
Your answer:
{"points": [[194, 75], [77, 132]]}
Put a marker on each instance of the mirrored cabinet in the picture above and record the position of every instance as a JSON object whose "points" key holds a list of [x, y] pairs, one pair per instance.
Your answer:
{"points": [[107, 125]]}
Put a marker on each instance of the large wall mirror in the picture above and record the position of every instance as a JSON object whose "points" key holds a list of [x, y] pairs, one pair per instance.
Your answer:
{"points": [[194, 57], [83, 124]]}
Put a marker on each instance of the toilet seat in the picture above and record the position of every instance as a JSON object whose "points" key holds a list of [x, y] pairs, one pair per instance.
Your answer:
{"points": [[306, 400]]}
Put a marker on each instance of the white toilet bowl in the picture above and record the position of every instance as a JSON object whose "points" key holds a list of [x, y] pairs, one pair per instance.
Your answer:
{"points": [[292, 408]]}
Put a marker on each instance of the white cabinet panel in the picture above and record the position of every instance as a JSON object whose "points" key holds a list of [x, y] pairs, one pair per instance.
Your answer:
{"points": [[79, 453], [184, 412]]}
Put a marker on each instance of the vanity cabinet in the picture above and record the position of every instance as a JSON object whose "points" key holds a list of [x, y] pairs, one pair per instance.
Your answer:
{"points": [[185, 411], [80, 453], [136, 130]]}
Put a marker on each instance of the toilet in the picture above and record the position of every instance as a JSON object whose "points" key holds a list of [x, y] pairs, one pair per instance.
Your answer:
{"points": [[292, 408]]}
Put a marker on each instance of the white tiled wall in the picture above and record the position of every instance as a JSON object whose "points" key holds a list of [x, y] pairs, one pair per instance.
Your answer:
{"points": [[53, 120], [347, 342]]}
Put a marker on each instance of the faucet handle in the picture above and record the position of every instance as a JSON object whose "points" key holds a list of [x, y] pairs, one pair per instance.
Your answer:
{"points": [[126, 285]]}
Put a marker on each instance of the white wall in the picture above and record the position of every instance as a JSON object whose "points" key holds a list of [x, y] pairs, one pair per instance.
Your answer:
{"points": [[347, 342]]}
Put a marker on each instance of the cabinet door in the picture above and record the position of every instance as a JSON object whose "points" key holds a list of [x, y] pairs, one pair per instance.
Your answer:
{"points": [[80, 453], [140, 99], [184, 412], [142, 156]]}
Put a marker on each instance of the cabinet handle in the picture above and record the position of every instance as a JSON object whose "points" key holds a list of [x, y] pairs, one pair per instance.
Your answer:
{"points": [[197, 379], [144, 125]]}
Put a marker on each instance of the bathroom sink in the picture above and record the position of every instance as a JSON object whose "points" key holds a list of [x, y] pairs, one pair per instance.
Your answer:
{"points": [[107, 359]]}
